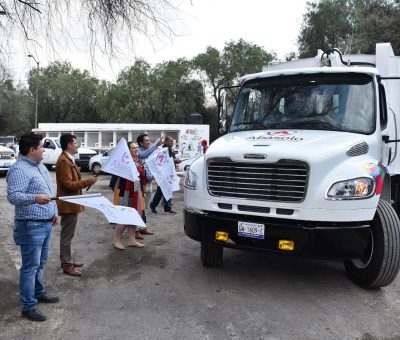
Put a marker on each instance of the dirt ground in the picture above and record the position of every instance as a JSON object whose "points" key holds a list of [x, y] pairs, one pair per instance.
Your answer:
{"points": [[163, 292]]}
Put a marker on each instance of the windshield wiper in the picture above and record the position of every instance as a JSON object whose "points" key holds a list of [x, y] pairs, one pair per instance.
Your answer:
{"points": [[314, 124], [318, 125], [255, 126]]}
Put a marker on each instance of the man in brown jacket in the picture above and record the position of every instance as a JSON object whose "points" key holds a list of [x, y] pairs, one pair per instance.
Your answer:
{"points": [[69, 183]]}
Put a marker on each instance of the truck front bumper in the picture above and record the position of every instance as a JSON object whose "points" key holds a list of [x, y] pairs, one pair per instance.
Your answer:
{"points": [[344, 240]]}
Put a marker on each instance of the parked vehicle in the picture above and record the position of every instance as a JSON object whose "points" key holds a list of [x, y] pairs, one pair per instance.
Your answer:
{"points": [[8, 141], [53, 150], [7, 158], [309, 166], [97, 161]]}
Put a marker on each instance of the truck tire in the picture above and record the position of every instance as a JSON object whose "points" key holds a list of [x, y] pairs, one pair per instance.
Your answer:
{"points": [[96, 168], [49, 166], [381, 262], [211, 254]]}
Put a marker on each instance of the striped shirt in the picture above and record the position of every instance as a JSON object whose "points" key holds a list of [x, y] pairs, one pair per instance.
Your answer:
{"points": [[25, 180]]}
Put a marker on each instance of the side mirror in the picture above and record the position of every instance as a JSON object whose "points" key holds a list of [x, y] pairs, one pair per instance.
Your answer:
{"points": [[223, 113], [227, 98], [222, 127]]}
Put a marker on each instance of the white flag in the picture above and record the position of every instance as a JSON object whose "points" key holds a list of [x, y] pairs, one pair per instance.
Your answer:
{"points": [[121, 163], [162, 167], [113, 213]]}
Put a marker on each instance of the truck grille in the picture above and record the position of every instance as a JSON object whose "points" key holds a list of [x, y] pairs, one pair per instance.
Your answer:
{"points": [[284, 181]]}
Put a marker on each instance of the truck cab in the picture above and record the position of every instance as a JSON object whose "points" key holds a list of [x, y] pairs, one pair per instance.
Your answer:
{"points": [[307, 165], [53, 150]]}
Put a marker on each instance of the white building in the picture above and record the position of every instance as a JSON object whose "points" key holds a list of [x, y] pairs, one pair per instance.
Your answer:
{"points": [[103, 136]]}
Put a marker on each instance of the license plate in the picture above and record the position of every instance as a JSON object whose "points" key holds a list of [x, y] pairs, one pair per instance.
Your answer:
{"points": [[253, 230], [7, 165]]}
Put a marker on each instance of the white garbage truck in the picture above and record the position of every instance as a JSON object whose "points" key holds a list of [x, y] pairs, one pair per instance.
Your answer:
{"points": [[308, 164]]}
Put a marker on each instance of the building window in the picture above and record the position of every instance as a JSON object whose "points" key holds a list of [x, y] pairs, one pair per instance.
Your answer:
{"points": [[154, 135], [122, 134], [80, 138], [92, 140], [107, 139]]}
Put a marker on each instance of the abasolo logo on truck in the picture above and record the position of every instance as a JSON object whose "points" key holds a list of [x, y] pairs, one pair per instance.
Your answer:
{"points": [[277, 136]]}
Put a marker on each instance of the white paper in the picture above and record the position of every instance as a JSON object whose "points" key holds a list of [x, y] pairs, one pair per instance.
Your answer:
{"points": [[114, 213], [121, 163], [162, 167]]}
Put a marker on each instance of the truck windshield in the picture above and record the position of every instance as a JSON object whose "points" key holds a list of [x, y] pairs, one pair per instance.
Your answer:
{"points": [[336, 102], [7, 140], [57, 141]]}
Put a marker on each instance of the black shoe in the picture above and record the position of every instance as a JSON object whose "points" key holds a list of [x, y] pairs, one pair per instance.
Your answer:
{"points": [[154, 211], [46, 298], [170, 212], [33, 315]]}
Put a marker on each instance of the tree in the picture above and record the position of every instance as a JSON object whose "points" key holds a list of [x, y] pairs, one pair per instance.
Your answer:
{"points": [[243, 58], [353, 26], [290, 56], [163, 94], [325, 25], [178, 95], [102, 21], [212, 69], [15, 106], [224, 68], [376, 21], [131, 94], [65, 94]]}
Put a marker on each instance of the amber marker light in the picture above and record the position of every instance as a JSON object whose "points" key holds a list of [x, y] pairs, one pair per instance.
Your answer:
{"points": [[361, 188], [221, 236], [286, 245]]}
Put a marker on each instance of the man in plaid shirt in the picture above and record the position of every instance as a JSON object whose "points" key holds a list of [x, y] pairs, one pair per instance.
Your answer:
{"points": [[29, 189]]}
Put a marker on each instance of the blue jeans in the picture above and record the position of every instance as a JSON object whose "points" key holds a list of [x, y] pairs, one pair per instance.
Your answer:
{"points": [[34, 240], [157, 198]]}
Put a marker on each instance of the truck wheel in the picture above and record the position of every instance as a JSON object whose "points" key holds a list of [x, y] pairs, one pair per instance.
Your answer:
{"points": [[49, 166], [381, 262], [211, 254], [96, 168]]}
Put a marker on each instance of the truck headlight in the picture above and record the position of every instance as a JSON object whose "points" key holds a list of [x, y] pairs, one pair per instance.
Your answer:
{"points": [[190, 179], [351, 189]]}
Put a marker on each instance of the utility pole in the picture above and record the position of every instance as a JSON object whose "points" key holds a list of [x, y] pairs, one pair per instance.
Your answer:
{"points": [[37, 90]]}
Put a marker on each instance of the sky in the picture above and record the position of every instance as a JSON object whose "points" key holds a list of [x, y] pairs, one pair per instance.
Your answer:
{"points": [[271, 24]]}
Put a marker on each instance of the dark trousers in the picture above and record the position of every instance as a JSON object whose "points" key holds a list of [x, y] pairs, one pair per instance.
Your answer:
{"points": [[157, 198], [68, 226]]}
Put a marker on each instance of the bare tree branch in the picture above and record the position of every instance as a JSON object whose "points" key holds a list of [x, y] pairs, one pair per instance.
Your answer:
{"points": [[31, 5], [105, 25]]}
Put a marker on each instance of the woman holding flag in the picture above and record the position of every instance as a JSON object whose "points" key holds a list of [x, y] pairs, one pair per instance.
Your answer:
{"points": [[130, 194]]}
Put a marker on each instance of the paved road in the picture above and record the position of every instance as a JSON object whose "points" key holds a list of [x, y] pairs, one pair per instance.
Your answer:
{"points": [[163, 292]]}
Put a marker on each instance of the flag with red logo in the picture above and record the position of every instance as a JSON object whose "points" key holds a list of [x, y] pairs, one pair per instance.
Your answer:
{"points": [[121, 163], [162, 167]]}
